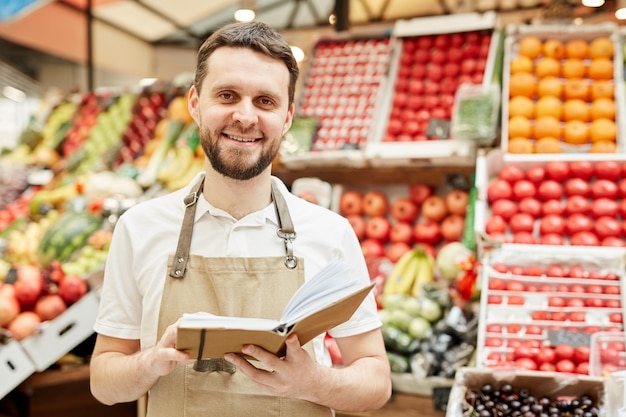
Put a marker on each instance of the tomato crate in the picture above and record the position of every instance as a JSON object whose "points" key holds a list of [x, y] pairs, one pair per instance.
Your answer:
{"points": [[340, 97], [578, 202], [432, 58], [62, 334], [563, 91], [608, 353], [535, 299], [15, 366], [551, 385]]}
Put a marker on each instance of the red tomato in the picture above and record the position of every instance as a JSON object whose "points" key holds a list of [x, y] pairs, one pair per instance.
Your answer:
{"points": [[581, 354], [526, 363], [565, 365], [546, 355], [564, 351]]}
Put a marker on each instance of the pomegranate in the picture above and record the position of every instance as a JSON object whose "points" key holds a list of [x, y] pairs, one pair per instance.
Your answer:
{"points": [[28, 290], [72, 288], [50, 307]]}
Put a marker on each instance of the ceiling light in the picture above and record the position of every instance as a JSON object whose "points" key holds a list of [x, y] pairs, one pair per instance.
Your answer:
{"points": [[620, 9], [245, 13], [298, 53], [13, 93], [593, 3]]}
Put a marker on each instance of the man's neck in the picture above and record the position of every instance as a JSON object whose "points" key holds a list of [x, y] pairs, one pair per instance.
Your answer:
{"points": [[238, 198]]}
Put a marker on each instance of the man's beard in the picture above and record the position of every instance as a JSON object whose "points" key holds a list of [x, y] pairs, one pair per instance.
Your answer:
{"points": [[234, 164]]}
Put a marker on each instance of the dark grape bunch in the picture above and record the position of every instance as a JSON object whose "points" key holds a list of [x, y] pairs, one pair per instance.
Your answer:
{"points": [[490, 401]]}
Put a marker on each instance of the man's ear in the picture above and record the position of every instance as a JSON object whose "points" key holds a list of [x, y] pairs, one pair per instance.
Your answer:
{"points": [[192, 104], [289, 120]]}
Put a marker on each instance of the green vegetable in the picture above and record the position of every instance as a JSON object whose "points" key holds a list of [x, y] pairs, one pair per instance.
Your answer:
{"points": [[398, 363]]}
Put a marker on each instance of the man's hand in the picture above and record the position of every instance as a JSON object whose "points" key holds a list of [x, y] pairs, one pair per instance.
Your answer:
{"points": [[284, 376], [164, 357]]}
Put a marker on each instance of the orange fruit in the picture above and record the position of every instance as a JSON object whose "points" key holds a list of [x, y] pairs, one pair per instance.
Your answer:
{"points": [[603, 108], [521, 106], [602, 88], [553, 48], [546, 126], [576, 132], [549, 106], [548, 145], [521, 63], [573, 68], [576, 88], [575, 109], [601, 47], [603, 130], [530, 46], [550, 86], [521, 145], [522, 84], [519, 126], [603, 147], [576, 49], [600, 69], [547, 66]]}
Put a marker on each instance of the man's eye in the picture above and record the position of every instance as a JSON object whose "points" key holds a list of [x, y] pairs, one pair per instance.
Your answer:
{"points": [[226, 96]]}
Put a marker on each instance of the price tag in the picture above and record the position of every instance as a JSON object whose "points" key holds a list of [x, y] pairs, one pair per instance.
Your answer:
{"points": [[440, 398], [574, 339], [438, 128]]}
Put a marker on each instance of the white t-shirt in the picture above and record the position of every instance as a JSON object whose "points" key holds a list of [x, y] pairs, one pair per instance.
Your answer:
{"points": [[147, 234]]}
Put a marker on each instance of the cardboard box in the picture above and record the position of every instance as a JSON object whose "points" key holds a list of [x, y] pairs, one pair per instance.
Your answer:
{"points": [[564, 33], [539, 383], [64, 333], [15, 366]]}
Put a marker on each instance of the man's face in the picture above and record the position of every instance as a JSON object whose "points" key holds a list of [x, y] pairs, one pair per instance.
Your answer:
{"points": [[242, 112]]}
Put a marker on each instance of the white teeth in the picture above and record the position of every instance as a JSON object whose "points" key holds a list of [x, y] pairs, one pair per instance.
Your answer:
{"points": [[240, 139]]}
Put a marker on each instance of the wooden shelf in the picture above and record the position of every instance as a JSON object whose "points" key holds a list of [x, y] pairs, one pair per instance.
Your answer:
{"points": [[425, 174]]}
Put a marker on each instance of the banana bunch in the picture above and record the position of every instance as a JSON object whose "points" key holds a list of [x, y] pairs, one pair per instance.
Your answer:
{"points": [[411, 272], [179, 167]]}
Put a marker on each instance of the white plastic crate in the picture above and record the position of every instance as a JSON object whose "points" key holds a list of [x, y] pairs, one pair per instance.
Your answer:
{"points": [[64, 333], [15, 366]]}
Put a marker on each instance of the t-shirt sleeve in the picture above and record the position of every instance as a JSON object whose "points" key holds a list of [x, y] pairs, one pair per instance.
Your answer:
{"points": [[120, 309]]}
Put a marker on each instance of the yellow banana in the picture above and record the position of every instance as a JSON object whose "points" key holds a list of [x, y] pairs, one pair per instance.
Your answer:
{"points": [[425, 274], [402, 276], [196, 165], [177, 168]]}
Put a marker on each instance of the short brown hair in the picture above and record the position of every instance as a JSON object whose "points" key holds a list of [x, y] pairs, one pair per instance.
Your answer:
{"points": [[254, 35]]}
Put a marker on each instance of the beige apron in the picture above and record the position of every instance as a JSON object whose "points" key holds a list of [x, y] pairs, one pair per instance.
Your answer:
{"points": [[248, 287]]}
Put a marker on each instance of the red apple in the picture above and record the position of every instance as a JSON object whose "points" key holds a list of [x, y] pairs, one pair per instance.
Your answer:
{"points": [[358, 225], [427, 231], [395, 251], [375, 204], [404, 209], [419, 192], [401, 232], [434, 208], [372, 248], [351, 202], [456, 202], [452, 227], [378, 228]]}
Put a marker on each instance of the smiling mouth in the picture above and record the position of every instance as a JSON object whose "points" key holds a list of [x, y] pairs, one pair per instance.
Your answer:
{"points": [[240, 139]]}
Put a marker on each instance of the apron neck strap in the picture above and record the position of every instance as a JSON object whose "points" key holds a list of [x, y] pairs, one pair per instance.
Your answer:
{"points": [[285, 229]]}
